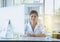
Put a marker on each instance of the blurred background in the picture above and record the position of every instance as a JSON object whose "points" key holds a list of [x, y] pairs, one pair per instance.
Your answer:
{"points": [[49, 12]]}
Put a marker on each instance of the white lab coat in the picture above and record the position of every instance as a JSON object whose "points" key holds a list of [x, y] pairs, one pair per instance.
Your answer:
{"points": [[39, 29]]}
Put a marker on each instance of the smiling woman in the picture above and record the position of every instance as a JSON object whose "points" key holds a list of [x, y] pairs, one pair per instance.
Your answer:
{"points": [[33, 28]]}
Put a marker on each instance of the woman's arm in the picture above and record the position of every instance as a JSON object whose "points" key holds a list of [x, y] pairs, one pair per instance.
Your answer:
{"points": [[35, 35], [39, 35]]}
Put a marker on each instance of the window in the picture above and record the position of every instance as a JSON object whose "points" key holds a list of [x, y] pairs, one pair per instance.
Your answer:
{"points": [[17, 2], [2, 3], [6, 3], [57, 6]]}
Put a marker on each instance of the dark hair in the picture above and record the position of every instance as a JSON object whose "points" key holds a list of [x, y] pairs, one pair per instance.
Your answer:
{"points": [[33, 11]]}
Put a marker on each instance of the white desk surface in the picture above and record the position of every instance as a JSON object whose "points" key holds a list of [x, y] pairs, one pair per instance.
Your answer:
{"points": [[31, 39]]}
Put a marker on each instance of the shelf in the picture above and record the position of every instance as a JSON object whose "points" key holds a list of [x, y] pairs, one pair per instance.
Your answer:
{"points": [[56, 24], [56, 17], [56, 21]]}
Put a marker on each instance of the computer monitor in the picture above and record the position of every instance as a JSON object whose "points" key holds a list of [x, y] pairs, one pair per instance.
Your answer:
{"points": [[16, 16]]}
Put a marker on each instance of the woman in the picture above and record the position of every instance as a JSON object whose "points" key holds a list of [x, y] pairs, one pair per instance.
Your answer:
{"points": [[34, 28]]}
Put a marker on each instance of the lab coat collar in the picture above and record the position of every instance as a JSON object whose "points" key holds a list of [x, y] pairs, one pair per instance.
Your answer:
{"points": [[35, 26]]}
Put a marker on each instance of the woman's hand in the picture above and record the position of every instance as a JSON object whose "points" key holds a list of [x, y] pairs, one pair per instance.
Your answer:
{"points": [[30, 35]]}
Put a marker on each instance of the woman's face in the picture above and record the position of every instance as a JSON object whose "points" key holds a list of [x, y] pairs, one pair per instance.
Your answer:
{"points": [[33, 18]]}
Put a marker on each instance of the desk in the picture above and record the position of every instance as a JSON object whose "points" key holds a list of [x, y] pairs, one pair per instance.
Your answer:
{"points": [[31, 39]]}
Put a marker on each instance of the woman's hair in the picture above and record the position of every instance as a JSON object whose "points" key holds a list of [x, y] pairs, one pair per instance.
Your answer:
{"points": [[34, 11]]}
